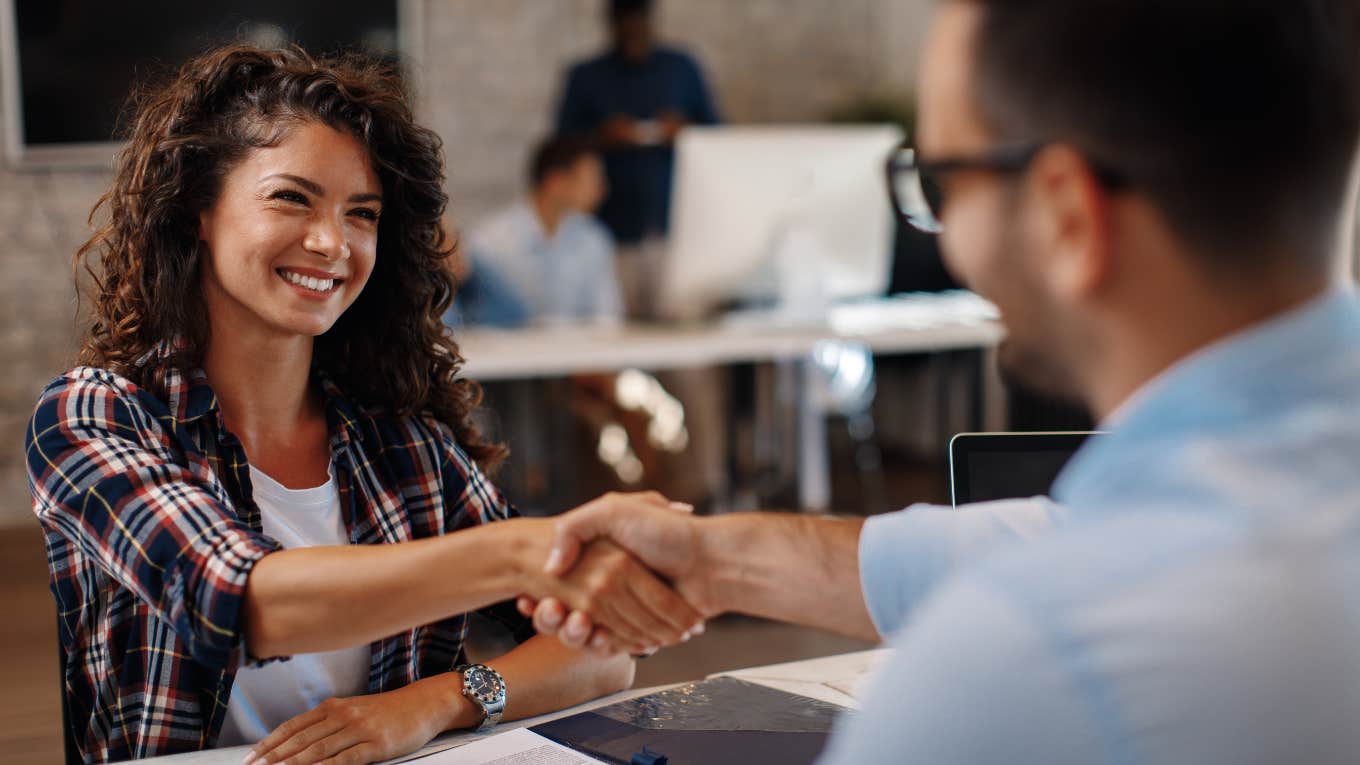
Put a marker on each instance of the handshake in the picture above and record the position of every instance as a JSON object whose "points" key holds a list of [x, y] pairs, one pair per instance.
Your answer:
{"points": [[625, 572]]}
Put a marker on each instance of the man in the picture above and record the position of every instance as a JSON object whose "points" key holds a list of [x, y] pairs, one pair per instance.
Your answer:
{"points": [[544, 259], [634, 99], [1148, 189]]}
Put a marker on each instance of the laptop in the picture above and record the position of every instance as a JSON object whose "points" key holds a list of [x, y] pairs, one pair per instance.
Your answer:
{"points": [[988, 466]]}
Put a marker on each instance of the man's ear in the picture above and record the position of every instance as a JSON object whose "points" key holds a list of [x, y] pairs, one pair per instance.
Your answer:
{"points": [[1070, 213]]}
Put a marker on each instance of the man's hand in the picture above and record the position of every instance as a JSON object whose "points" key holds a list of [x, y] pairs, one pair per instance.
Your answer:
{"points": [[619, 131], [671, 123], [661, 534], [639, 611]]}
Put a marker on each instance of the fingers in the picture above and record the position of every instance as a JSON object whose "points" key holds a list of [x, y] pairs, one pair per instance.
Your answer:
{"points": [[576, 631], [272, 747], [593, 520], [548, 616], [359, 754], [526, 605], [623, 616], [632, 604], [603, 645], [340, 740], [675, 616]]}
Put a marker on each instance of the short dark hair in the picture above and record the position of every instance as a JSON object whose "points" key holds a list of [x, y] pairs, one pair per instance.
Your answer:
{"points": [[618, 8], [1237, 118], [555, 154]]}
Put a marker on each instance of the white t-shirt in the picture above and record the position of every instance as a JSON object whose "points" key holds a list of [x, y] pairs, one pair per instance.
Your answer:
{"points": [[264, 697]]}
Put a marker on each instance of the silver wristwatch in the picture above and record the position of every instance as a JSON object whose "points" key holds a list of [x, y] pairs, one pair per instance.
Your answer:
{"points": [[486, 688]]}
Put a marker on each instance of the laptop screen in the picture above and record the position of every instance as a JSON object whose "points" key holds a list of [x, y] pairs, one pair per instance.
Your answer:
{"points": [[988, 466]]}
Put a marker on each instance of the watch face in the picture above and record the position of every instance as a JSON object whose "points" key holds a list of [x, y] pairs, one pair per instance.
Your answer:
{"points": [[482, 685]]}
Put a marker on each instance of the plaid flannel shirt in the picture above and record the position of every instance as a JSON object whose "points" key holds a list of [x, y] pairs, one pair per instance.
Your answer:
{"points": [[151, 533]]}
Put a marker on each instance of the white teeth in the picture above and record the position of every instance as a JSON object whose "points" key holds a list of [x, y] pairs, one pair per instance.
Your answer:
{"points": [[310, 282]]}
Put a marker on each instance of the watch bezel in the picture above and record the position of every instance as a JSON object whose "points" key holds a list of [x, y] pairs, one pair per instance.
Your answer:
{"points": [[492, 701]]}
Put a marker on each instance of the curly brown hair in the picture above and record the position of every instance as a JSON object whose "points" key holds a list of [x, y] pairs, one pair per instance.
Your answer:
{"points": [[390, 351]]}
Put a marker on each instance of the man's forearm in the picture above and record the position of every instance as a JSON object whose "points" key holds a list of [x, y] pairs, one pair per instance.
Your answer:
{"points": [[793, 568], [327, 598]]}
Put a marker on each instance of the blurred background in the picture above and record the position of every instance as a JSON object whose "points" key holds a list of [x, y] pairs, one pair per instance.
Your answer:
{"points": [[488, 77], [827, 371]]}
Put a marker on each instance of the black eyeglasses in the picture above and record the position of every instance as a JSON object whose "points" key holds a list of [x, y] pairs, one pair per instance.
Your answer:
{"points": [[918, 196]]}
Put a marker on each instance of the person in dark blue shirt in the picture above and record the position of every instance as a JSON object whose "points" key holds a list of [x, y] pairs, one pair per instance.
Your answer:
{"points": [[633, 100]]}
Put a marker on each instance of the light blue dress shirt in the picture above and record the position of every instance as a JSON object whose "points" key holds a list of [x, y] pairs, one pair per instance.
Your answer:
{"points": [[1193, 598], [523, 275]]}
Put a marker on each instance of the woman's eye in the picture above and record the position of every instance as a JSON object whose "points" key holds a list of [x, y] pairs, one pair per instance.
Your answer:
{"points": [[289, 196], [365, 213]]}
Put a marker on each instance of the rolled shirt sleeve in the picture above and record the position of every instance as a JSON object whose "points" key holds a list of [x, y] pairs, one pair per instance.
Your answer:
{"points": [[153, 526], [903, 556]]}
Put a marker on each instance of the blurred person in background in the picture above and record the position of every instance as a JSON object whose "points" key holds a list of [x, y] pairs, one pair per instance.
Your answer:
{"points": [[544, 259], [633, 100]]}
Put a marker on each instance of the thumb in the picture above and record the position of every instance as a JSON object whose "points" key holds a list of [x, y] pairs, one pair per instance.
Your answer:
{"points": [[570, 532]]}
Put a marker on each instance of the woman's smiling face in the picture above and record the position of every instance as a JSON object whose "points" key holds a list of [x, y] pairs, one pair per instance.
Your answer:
{"points": [[293, 235]]}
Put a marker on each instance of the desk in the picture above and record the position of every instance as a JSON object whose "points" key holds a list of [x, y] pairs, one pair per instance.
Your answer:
{"points": [[832, 679], [913, 323]]}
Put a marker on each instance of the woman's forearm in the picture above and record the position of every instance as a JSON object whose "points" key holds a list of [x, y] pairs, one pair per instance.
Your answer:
{"points": [[541, 676], [327, 598]]}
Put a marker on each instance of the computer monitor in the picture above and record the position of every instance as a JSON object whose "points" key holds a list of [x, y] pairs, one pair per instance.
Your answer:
{"points": [[990, 466], [792, 215]]}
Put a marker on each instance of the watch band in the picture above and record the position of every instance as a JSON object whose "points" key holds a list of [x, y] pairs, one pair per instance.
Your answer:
{"points": [[485, 687]]}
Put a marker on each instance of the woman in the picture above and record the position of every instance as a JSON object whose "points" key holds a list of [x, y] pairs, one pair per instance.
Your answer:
{"points": [[265, 450]]}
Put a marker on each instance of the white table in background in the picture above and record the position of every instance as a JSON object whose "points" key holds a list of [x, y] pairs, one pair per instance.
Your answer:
{"points": [[826, 679], [913, 323]]}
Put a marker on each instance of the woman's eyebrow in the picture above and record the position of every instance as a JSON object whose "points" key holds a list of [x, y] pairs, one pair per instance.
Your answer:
{"points": [[317, 189], [309, 185]]}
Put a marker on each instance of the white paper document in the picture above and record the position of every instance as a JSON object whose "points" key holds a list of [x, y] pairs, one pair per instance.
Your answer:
{"points": [[516, 747]]}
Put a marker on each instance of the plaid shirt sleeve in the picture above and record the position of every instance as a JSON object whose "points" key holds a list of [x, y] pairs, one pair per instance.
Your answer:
{"points": [[471, 500], [103, 472]]}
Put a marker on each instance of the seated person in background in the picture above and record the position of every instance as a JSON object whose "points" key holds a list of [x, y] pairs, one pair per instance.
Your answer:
{"points": [[544, 259], [267, 449]]}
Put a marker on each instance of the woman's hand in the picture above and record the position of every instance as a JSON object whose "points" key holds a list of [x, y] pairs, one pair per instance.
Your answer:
{"points": [[364, 729], [640, 611]]}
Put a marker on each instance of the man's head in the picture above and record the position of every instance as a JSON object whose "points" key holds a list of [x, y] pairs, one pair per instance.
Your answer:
{"points": [[569, 173], [1184, 149], [630, 28]]}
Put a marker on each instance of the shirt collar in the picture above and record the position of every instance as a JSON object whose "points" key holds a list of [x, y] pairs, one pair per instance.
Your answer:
{"points": [[191, 398], [1221, 385]]}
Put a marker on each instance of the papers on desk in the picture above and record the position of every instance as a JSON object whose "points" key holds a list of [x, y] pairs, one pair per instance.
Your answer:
{"points": [[516, 747], [837, 679], [834, 679]]}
